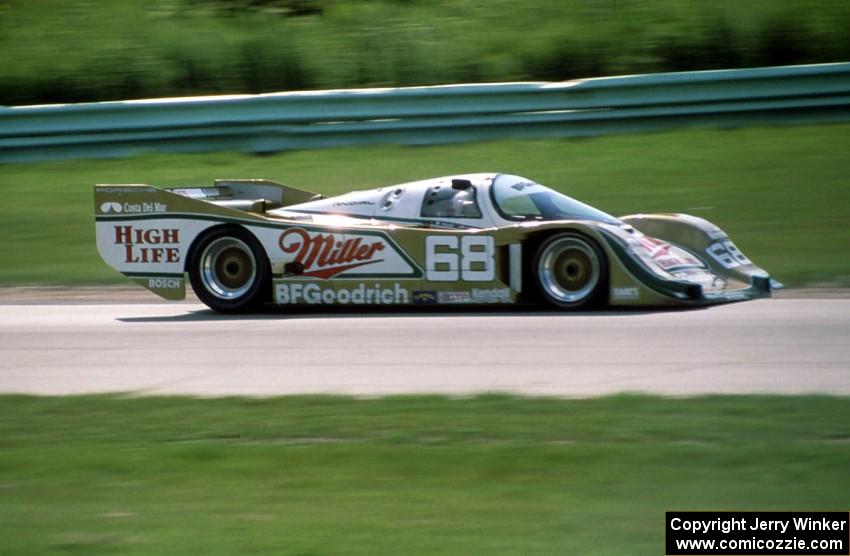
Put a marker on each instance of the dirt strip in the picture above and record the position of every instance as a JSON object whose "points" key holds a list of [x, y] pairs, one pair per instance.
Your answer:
{"points": [[82, 295]]}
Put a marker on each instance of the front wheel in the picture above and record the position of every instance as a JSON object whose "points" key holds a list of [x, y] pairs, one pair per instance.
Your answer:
{"points": [[229, 270], [570, 271]]}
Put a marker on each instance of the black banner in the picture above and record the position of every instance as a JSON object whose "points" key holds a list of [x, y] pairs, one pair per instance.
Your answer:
{"points": [[757, 533]]}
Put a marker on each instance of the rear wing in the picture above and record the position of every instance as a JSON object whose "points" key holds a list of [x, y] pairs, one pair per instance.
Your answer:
{"points": [[245, 194]]}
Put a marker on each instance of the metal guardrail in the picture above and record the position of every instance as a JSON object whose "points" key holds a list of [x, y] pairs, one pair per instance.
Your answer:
{"points": [[428, 115]]}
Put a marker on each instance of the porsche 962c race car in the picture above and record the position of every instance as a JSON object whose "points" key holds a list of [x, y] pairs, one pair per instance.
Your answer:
{"points": [[478, 238]]}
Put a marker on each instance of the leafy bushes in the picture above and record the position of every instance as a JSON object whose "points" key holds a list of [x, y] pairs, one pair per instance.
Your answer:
{"points": [[74, 50]]}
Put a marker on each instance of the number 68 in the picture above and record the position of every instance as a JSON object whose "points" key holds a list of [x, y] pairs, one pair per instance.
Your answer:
{"points": [[727, 254], [444, 264]]}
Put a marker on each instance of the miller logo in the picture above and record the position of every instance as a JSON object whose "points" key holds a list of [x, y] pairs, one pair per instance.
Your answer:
{"points": [[326, 255]]}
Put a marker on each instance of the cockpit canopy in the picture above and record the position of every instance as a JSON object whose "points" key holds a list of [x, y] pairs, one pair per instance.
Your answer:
{"points": [[470, 200], [517, 198]]}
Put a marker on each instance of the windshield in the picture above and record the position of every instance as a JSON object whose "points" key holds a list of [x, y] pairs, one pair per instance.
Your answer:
{"points": [[517, 198]]}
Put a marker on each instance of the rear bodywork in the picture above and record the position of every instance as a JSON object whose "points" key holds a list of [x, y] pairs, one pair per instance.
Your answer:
{"points": [[148, 234]]}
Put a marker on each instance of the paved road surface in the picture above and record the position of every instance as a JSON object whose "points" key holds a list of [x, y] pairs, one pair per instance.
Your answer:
{"points": [[776, 346]]}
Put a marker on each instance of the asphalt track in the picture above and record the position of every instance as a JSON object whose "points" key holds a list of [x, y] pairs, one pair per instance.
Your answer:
{"points": [[781, 346]]}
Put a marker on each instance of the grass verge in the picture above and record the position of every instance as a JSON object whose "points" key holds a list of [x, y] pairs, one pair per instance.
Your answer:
{"points": [[783, 194], [488, 475]]}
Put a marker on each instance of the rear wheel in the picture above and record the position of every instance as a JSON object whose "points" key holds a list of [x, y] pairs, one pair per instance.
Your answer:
{"points": [[570, 271], [229, 270]]}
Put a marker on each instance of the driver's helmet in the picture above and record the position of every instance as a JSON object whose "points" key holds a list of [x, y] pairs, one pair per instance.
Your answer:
{"points": [[463, 204]]}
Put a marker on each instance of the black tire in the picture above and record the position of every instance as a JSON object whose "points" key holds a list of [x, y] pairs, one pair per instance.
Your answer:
{"points": [[570, 271], [229, 270]]}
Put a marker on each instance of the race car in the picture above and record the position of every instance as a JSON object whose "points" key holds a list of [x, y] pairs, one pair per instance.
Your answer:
{"points": [[484, 238]]}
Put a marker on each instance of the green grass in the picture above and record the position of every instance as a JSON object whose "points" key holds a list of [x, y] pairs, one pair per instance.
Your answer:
{"points": [[406, 475], [153, 48], [783, 194]]}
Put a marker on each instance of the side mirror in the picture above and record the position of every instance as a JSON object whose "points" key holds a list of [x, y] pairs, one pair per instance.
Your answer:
{"points": [[460, 184]]}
